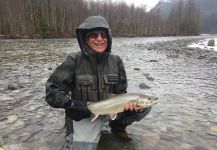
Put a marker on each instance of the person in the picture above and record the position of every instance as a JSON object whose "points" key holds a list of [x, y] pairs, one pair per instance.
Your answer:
{"points": [[90, 75]]}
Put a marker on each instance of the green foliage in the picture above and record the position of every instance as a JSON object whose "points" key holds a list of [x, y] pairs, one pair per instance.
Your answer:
{"points": [[44, 28]]}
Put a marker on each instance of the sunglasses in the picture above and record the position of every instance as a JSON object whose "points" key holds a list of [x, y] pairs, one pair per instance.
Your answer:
{"points": [[95, 34]]}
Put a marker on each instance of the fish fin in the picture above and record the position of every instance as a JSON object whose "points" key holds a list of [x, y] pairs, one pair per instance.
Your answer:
{"points": [[113, 116], [94, 116]]}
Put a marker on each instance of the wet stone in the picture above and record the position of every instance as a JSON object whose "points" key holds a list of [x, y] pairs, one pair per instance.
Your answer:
{"points": [[49, 68], [153, 60], [1, 141], [14, 86], [12, 119], [213, 128], [150, 78], [201, 57], [151, 139], [211, 42], [185, 146], [199, 147], [136, 68], [3, 119], [170, 136], [14, 147], [146, 74], [211, 133], [166, 137], [213, 60], [18, 123], [144, 86]]}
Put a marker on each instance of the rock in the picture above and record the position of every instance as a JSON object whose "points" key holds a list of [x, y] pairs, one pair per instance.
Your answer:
{"points": [[1, 142], [174, 136], [28, 74], [136, 68], [152, 60], [185, 146], [14, 86], [12, 118], [211, 42], [166, 137], [144, 86], [199, 147], [213, 60], [201, 57], [18, 123], [151, 139], [212, 133], [146, 74], [213, 128], [150, 78]]}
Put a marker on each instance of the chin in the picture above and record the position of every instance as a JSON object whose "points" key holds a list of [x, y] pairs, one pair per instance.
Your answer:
{"points": [[100, 50]]}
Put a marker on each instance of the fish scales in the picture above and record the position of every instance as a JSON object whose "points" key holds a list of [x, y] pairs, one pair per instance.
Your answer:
{"points": [[116, 104]]}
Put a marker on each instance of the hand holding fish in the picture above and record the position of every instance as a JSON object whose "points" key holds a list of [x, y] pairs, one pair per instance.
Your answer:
{"points": [[133, 106]]}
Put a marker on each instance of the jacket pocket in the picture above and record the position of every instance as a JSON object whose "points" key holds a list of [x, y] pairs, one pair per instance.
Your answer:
{"points": [[110, 80], [87, 87]]}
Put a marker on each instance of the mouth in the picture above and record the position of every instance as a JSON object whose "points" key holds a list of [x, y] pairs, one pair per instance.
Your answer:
{"points": [[99, 44]]}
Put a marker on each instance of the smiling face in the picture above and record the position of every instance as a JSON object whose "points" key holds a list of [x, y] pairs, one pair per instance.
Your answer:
{"points": [[97, 40]]}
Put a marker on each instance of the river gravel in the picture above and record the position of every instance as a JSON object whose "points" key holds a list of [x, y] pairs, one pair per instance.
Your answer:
{"points": [[184, 79]]}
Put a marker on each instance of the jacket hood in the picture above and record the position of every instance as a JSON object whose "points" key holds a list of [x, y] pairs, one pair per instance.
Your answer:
{"points": [[91, 24]]}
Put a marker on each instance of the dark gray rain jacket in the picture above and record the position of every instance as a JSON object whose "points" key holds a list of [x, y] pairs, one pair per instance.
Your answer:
{"points": [[87, 76]]}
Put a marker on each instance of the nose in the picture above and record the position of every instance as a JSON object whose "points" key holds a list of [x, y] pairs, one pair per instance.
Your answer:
{"points": [[99, 37]]}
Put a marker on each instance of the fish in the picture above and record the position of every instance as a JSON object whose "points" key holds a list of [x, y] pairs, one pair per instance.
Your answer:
{"points": [[115, 104]]}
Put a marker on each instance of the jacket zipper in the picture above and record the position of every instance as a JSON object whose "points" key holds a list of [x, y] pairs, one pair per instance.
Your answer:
{"points": [[97, 78]]}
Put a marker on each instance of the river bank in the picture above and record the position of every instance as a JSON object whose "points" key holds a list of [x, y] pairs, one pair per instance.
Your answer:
{"points": [[180, 47]]}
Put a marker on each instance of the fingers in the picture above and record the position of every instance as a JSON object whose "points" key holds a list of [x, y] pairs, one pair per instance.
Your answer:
{"points": [[135, 106], [126, 107], [131, 106], [141, 108]]}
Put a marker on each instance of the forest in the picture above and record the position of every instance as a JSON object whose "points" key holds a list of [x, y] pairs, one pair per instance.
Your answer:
{"points": [[59, 19]]}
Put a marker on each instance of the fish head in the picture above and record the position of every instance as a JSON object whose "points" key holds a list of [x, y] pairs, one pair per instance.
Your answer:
{"points": [[146, 101]]}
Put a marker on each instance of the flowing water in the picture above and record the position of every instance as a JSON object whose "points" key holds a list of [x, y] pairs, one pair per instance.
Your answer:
{"points": [[185, 117]]}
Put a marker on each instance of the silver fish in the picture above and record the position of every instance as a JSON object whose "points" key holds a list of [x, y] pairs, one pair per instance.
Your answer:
{"points": [[116, 104]]}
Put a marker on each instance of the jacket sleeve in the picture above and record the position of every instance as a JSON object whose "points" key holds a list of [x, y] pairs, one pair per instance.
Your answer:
{"points": [[59, 84], [121, 86]]}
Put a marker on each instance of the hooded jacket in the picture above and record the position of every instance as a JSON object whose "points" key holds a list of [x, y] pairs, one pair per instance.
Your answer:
{"points": [[86, 76]]}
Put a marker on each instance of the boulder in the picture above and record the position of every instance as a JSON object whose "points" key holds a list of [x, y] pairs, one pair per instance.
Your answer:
{"points": [[14, 86], [150, 78], [144, 86], [211, 42]]}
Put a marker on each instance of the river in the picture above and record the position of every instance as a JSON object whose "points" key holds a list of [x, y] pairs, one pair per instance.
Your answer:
{"points": [[185, 117]]}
